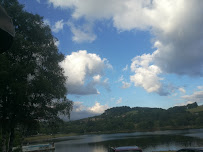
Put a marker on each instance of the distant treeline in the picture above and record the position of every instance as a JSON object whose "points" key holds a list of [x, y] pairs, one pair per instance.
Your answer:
{"points": [[126, 119]]}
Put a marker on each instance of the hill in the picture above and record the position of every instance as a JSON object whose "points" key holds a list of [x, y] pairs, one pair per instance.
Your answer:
{"points": [[126, 119]]}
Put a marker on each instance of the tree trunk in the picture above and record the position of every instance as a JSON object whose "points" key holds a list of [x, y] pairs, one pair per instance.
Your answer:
{"points": [[3, 142], [4, 134], [11, 139]]}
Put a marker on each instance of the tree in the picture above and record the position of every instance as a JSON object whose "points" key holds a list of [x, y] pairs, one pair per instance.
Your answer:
{"points": [[31, 80]]}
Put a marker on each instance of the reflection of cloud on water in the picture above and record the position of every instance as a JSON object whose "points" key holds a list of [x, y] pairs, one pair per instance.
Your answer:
{"points": [[174, 146], [174, 142], [148, 141], [151, 143]]}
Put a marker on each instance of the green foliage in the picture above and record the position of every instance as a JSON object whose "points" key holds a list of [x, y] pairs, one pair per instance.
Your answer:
{"points": [[117, 110]]}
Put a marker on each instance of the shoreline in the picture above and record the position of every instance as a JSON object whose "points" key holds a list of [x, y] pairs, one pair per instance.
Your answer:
{"points": [[47, 138], [63, 137]]}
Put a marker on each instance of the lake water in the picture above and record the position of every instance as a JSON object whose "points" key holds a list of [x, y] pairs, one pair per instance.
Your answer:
{"points": [[147, 141]]}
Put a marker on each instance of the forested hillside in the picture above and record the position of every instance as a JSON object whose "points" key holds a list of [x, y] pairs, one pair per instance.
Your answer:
{"points": [[126, 119]]}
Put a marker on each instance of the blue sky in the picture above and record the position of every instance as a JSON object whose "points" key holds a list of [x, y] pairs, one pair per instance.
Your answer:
{"points": [[127, 53]]}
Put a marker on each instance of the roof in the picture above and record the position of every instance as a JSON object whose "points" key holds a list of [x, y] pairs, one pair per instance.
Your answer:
{"points": [[6, 23], [127, 148]]}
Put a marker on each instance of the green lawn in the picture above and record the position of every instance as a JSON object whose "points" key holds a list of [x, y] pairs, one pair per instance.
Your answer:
{"points": [[131, 113], [46, 137], [198, 109]]}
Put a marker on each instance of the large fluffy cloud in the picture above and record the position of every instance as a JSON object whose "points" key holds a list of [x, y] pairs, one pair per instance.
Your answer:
{"points": [[176, 26], [85, 71], [146, 74]]}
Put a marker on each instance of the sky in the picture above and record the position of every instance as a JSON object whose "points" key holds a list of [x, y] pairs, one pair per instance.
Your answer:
{"points": [[137, 53]]}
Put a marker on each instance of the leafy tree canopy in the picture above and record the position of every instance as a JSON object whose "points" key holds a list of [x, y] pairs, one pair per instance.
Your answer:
{"points": [[31, 80]]}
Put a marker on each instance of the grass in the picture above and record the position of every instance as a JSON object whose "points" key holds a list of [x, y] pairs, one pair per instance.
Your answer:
{"points": [[40, 138], [198, 109], [131, 113]]}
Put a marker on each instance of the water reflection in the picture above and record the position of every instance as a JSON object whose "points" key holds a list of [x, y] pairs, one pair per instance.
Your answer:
{"points": [[152, 143], [148, 141]]}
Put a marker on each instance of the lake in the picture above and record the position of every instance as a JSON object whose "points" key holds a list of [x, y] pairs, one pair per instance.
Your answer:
{"points": [[148, 141]]}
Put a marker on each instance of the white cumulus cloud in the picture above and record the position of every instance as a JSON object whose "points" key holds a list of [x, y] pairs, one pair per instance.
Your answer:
{"points": [[97, 78], [146, 74], [81, 111], [85, 71], [98, 108]]}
